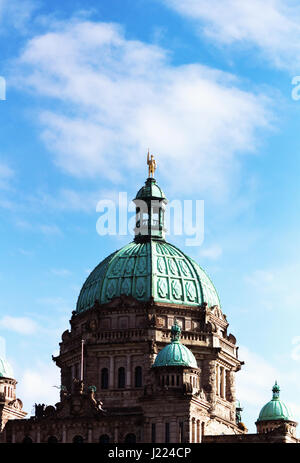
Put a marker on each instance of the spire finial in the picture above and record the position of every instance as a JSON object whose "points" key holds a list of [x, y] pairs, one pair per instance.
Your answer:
{"points": [[151, 164], [175, 331], [276, 390]]}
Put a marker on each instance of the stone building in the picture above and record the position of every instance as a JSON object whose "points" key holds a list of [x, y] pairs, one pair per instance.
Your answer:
{"points": [[148, 356], [10, 406]]}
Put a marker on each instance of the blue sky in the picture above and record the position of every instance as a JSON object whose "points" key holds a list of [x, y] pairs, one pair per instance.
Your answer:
{"points": [[207, 86]]}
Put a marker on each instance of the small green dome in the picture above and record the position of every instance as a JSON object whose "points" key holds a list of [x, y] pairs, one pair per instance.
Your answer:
{"points": [[143, 270], [175, 353], [150, 190], [5, 369], [275, 409]]}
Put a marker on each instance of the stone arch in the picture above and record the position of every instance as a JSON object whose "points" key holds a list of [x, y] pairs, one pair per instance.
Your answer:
{"points": [[130, 438], [52, 440], [104, 439], [78, 439], [27, 440]]}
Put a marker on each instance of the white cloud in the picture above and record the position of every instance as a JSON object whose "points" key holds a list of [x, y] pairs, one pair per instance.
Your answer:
{"points": [[271, 25], [276, 288], [115, 97], [57, 303], [61, 272], [50, 229], [255, 381], [6, 174], [46, 229], [21, 325], [68, 199], [36, 385], [295, 354], [211, 252], [15, 13]]}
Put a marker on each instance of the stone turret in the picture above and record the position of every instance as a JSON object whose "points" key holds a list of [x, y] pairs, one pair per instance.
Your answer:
{"points": [[10, 406], [276, 414]]}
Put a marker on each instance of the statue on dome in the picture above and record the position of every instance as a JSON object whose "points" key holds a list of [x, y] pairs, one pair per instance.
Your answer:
{"points": [[151, 165]]}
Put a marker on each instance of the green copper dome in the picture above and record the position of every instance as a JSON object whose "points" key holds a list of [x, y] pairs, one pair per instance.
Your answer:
{"points": [[175, 353], [5, 369], [275, 409], [151, 269]]}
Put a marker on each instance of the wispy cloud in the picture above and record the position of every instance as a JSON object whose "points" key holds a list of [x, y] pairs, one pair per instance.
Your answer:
{"points": [[16, 14], [110, 106], [36, 385], [67, 200], [50, 229], [21, 325], [211, 252], [46, 229], [61, 272], [56, 303], [276, 287], [255, 382], [6, 174], [272, 26]]}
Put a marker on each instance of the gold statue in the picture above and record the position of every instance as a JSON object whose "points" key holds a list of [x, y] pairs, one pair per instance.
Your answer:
{"points": [[152, 164]]}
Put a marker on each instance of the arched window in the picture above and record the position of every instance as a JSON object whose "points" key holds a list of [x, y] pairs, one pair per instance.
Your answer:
{"points": [[121, 378], [27, 440], [52, 440], [130, 439], [78, 440], [138, 380], [104, 439], [104, 378]]}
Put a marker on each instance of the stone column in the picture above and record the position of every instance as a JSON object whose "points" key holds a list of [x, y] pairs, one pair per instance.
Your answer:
{"points": [[198, 438], [90, 435], [174, 435], [193, 430], [116, 435], [217, 379], [211, 383], [230, 386], [222, 382], [160, 431], [38, 435], [64, 434], [112, 372], [146, 431], [128, 371]]}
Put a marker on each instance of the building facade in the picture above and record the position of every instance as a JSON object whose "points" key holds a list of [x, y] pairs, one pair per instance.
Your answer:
{"points": [[148, 356], [10, 406]]}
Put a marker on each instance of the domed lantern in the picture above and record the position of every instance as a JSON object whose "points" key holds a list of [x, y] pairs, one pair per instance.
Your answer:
{"points": [[175, 365], [275, 414]]}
